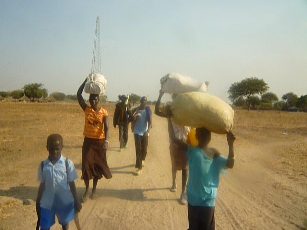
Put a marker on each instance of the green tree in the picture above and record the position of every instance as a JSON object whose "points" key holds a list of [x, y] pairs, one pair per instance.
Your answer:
{"points": [[253, 101], [103, 98], [240, 102], [17, 94], [134, 98], [72, 97], [269, 97], [280, 105], [35, 91], [247, 88], [290, 99], [58, 96], [302, 103], [4, 94]]}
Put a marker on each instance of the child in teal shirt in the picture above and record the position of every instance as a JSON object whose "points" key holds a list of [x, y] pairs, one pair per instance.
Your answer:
{"points": [[205, 167]]}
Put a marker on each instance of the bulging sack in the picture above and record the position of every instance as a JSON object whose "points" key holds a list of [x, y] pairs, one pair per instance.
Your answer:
{"points": [[177, 83], [96, 84], [203, 110]]}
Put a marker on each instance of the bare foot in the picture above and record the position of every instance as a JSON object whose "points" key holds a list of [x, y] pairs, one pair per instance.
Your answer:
{"points": [[84, 196], [173, 188]]}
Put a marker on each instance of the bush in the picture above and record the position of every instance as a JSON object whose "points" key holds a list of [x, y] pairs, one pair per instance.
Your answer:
{"points": [[266, 106], [280, 105], [72, 97], [16, 94], [4, 94], [58, 96]]}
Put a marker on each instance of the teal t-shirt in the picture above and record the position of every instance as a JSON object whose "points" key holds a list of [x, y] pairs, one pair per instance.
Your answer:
{"points": [[204, 177]]}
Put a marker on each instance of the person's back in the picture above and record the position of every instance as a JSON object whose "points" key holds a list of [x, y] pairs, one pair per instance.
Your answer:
{"points": [[205, 167], [204, 177]]}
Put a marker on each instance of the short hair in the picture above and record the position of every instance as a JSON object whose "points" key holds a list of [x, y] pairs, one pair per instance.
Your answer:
{"points": [[203, 132], [143, 99], [54, 139]]}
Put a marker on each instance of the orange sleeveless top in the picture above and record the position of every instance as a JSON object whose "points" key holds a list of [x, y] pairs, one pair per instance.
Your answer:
{"points": [[93, 123]]}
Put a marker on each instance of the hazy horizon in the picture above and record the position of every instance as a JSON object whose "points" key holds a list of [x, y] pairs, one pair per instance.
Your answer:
{"points": [[220, 42]]}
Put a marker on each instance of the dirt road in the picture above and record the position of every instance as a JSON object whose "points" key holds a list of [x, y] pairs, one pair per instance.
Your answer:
{"points": [[265, 190]]}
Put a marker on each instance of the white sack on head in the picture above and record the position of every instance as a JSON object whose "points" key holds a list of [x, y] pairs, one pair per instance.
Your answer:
{"points": [[96, 84], [177, 83], [197, 109]]}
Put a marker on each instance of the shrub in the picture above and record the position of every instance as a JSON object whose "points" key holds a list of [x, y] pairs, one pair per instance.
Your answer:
{"points": [[16, 94], [58, 96]]}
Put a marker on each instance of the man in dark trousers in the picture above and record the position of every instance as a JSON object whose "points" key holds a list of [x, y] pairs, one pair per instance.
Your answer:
{"points": [[121, 118]]}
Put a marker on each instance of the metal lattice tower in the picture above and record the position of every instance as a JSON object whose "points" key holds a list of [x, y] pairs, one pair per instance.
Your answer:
{"points": [[96, 61]]}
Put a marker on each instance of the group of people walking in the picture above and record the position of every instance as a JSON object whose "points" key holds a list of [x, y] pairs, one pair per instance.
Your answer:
{"points": [[200, 165]]}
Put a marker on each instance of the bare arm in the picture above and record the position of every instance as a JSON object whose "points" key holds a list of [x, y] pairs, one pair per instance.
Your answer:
{"points": [[39, 197], [157, 106], [81, 101], [231, 157], [106, 131], [73, 190]]}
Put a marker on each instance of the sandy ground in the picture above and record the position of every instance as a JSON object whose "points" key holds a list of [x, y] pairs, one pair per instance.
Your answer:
{"points": [[267, 189]]}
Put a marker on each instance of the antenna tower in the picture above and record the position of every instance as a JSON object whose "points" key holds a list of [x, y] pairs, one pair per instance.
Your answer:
{"points": [[96, 61]]}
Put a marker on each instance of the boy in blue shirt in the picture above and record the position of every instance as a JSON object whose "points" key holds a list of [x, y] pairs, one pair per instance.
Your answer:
{"points": [[205, 167], [57, 193]]}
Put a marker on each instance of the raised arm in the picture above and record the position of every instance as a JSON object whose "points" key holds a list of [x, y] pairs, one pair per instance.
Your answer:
{"points": [[231, 157], [81, 101], [157, 106]]}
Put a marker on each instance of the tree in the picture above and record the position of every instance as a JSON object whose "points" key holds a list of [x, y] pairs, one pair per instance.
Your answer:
{"points": [[4, 94], [247, 88], [58, 96], [240, 102], [290, 99], [17, 94], [302, 103], [280, 105], [35, 91], [269, 97], [72, 97], [134, 98], [253, 102], [103, 98]]}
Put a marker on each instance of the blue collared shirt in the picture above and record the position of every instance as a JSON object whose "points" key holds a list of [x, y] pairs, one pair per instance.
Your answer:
{"points": [[56, 181]]}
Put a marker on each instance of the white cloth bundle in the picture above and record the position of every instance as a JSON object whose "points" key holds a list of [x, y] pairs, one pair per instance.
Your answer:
{"points": [[96, 84], [197, 109], [177, 83]]}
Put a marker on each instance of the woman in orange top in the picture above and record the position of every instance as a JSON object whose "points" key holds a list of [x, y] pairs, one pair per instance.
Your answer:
{"points": [[95, 144]]}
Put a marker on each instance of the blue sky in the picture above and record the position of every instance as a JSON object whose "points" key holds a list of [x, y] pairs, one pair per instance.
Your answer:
{"points": [[222, 42]]}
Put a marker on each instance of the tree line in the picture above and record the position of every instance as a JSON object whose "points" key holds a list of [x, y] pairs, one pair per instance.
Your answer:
{"points": [[252, 93], [36, 92]]}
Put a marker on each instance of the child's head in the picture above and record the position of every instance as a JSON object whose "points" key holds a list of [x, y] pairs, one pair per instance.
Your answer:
{"points": [[54, 146], [94, 100], [203, 136]]}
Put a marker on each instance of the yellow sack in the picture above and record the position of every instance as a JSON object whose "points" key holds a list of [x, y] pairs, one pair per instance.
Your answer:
{"points": [[196, 109]]}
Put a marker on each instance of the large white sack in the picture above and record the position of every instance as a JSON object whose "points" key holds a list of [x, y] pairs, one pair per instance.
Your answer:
{"points": [[177, 83], [197, 109], [96, 84]]}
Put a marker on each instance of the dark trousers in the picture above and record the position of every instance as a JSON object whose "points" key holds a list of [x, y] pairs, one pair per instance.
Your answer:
{"points": [[201, 218], [123, 135], [141, 143]]}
